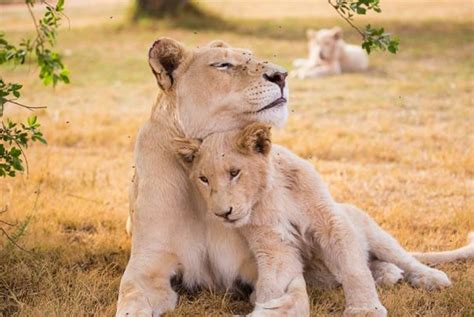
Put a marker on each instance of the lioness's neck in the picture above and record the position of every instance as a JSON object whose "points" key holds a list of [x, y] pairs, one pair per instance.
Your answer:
{"points": [[166, 109], [164, 114]]}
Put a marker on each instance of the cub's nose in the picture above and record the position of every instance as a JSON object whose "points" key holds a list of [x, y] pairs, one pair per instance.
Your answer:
{"points": [[277, 78], [224, 214]]}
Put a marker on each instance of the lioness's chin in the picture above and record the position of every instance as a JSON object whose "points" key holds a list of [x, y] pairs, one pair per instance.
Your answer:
{"points": [[276, 116]]}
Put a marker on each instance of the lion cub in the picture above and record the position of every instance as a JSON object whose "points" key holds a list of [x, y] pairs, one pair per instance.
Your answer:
{"points": [[286, 213]]}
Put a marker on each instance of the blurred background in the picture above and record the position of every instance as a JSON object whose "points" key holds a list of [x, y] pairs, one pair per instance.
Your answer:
{"points": [[397, 140]]}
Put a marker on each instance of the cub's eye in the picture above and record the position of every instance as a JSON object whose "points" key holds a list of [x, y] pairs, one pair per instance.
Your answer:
{"points": [[234, 173], [204, 179], [222, 65]]}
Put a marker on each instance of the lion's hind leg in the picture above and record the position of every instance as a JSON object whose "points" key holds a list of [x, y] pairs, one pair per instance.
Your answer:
{"points": [[386, 248]]}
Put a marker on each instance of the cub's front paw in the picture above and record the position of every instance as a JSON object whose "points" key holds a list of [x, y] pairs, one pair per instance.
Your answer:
{"points": [[376, 311], [430, 279]]}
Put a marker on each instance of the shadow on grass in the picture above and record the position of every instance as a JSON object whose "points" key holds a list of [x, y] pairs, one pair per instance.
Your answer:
{"points": [[193, 18]]}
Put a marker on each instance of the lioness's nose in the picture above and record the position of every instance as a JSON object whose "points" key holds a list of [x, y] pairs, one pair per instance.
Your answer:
{"points": [[277, 78], [224, 214]]}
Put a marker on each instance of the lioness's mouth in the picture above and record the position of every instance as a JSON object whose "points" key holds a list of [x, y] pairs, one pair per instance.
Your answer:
{"points": [[273, 104]]}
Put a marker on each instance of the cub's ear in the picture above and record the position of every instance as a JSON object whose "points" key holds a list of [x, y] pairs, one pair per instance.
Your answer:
{"points": [[186, 149], [337, 33], [255, 138], [164, 57], [310, 33], [218, 43]]}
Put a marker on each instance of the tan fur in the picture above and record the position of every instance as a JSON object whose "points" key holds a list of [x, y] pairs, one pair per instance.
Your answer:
{"points": [[329, 55], [200, 95], [287, 215]]}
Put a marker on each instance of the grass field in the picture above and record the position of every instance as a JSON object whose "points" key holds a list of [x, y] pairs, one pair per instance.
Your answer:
{"points": [[397, 141]]}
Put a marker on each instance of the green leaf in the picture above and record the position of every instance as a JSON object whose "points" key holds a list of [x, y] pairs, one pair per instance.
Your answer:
{"points": [[15, 152], [17, 164], [31, 120], [60, 5]]}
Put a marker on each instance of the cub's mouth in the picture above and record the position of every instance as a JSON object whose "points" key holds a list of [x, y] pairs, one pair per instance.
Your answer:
{"points": [[237, 222], [277, 102]]}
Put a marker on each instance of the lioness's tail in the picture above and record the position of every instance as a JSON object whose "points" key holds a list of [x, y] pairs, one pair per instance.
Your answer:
{"points": [[464, 253]]}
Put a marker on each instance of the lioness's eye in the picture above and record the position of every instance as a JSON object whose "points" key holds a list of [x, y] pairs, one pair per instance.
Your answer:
{"points": [[222, 65], [204, 179], [234, 173]]}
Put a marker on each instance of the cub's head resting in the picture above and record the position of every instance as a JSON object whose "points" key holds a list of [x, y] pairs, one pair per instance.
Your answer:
{"points": [[218, 87], [230, 169]]}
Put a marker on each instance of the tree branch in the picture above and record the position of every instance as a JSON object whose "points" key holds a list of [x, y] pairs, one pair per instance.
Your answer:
{"points": [[336, 7], [30, 10], [31, 108]]}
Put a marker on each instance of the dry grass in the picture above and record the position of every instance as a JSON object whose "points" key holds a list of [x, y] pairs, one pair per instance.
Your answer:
{"points": [[397, 141]]}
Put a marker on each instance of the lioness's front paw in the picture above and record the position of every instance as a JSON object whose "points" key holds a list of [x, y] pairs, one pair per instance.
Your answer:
{"points": [[133, 309], [430, 279], [137, 305], [375, 311]]}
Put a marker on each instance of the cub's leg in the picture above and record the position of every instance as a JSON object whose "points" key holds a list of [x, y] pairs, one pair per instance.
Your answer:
{"points": [[280, 287], [294, 303], [385, 248], [346, 255], [384, 273]]}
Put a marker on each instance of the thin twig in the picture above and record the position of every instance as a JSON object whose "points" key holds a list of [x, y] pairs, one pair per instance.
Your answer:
{"points": [[86, 199], [31, 108], [30, 9], [346, 19], [6, 223], [12, 240]]}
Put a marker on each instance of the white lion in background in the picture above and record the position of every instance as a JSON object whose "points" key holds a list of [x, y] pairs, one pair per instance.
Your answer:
{"points": [[329, 55]]}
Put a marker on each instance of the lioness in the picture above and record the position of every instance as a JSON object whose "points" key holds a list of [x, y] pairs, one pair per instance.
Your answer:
{"points": [[204, 90], [286, 214], [330, 55]]}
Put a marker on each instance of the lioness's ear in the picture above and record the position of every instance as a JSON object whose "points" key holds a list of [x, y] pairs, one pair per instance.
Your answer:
{"points": [[255, 138], [310, 33], [218, 43], [337, 33], [164, 57], [186, 149]]}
